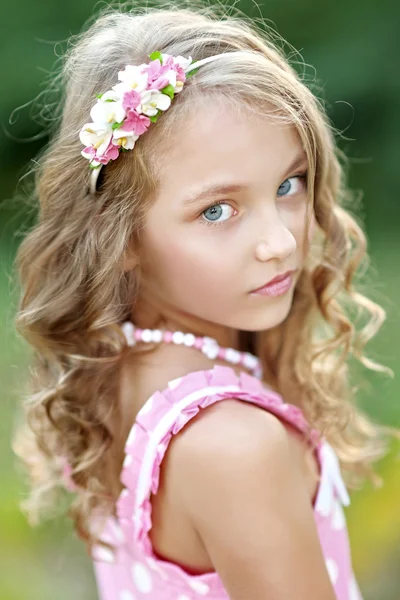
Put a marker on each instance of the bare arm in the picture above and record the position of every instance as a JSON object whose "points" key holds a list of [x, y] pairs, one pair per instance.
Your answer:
{"points": [[245, 494]]}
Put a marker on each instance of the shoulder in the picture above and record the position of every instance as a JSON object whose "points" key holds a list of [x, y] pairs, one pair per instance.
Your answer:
{"points": [[241, 487], [231, 437]]}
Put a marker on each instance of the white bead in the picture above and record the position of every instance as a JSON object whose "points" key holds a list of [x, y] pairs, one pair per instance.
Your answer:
{"points": [[129, 332], [249, 360], [209, 340], [146, 335], [178, 337], [210, 350], [189, 339], [232, 355], [156, 335]]}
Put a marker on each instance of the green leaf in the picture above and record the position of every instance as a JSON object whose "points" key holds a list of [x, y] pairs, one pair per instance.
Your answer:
{"points": [[192, 72], [116, 125], [169, 91], [155, 55], [99, 96], [154, 118], [94, 166], [109, 100]]}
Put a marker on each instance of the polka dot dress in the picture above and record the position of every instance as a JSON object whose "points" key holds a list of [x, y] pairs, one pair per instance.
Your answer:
{"points": [[135, 572]]}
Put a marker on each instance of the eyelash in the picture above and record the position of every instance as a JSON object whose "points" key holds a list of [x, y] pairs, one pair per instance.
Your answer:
{"points": [[303, 176]]}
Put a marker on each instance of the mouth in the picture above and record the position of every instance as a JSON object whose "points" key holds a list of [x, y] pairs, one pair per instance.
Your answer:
{"points": [[284, 278]]}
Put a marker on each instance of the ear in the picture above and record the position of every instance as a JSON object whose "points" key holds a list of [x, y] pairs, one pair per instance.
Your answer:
{"points": [[129, 261]]}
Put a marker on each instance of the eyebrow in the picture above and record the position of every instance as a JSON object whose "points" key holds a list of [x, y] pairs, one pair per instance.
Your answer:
{"points": [[212, 190]]}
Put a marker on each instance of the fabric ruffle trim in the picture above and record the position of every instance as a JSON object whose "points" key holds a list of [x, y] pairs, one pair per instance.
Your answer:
{"points": [[164, 414]]}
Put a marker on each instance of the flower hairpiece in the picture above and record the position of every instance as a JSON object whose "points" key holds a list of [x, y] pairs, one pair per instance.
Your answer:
{"points": [[125, 112]]}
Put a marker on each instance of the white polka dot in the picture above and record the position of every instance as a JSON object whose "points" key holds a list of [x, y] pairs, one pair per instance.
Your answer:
{"points": [[142, 578], [338, 518], [156, 567], [126, 595], [332, 570], [104, 554], [127, 460], [354, 593], [199, 586]]}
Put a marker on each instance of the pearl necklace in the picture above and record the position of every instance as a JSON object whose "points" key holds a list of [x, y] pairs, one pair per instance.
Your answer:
{"points": [[208, 346]]}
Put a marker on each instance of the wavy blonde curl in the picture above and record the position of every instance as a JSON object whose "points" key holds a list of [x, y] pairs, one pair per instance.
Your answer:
{"points": [[75, 293]]}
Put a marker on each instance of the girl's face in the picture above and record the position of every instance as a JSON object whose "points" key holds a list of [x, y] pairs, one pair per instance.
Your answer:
{"points": [[229, 216]]}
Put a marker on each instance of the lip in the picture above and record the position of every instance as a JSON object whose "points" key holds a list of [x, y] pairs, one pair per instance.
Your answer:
{"points": [[274, 280]]}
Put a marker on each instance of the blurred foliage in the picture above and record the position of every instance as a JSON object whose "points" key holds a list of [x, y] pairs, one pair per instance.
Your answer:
{"points": [[350, 50]]}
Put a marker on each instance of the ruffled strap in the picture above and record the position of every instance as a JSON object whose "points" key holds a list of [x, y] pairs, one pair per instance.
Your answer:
{"points": [[332, 486], [164, 414]]}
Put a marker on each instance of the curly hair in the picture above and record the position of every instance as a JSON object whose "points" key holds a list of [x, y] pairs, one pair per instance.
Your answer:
{"points": [[75, 293]]}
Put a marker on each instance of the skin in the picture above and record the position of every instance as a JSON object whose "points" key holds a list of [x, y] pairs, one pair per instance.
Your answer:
{"points": [[222, 502], [198, 276]]}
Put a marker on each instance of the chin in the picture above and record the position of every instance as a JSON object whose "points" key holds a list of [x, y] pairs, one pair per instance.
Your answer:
{"points": [[268, 318]]}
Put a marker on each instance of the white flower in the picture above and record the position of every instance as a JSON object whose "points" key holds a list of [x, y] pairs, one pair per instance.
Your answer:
{"points": [[153, 101], [180, 60], [126, 139], [108, 112], [132, 78], [97, 135]]}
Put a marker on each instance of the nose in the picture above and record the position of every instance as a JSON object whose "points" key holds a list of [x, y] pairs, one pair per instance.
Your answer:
{"points": [[275, 241]]}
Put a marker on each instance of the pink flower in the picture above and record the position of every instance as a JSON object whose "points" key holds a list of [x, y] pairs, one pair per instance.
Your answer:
{"points": [[180, 73], [135, 122], [156, 75], [111, 153], [130, 100], [89, 152]]}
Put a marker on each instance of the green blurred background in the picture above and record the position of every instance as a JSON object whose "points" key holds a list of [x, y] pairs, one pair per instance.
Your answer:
{"points": [[352, 46]]}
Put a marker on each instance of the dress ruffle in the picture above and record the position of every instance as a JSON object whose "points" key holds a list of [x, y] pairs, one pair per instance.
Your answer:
{"points": [[164, 414]]}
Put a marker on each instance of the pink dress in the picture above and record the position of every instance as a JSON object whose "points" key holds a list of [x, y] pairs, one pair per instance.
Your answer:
{"points": [[137, 573]]}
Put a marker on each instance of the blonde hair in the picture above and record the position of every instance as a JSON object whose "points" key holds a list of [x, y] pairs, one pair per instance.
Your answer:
{"points": [[75, 294]]}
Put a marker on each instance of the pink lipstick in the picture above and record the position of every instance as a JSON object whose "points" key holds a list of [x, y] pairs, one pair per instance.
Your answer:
{"points": [[277, 286]]}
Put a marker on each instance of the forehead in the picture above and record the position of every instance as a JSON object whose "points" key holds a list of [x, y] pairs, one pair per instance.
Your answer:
{"points": [[217, 141]]}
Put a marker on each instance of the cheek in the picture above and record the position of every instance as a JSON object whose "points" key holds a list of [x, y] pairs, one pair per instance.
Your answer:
{"points": [[189, 263]]}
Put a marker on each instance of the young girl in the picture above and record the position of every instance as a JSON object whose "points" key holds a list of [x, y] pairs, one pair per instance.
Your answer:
{"points": [[187, 292]]}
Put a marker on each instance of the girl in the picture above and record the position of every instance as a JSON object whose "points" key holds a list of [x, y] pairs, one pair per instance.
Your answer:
{"points": [[185, 292]]}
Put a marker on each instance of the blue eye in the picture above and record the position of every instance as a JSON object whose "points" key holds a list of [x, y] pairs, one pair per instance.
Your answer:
{"points": [[216, 211], [287, 188]]}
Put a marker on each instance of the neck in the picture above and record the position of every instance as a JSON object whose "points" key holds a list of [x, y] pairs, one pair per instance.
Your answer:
{"points": [[146, 316]]}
